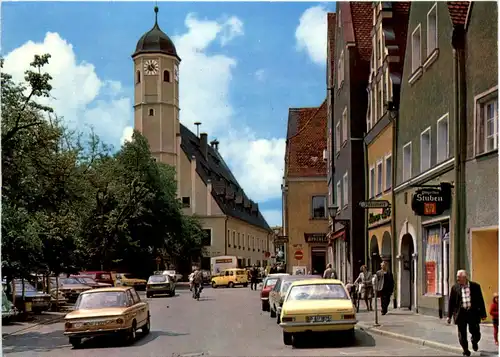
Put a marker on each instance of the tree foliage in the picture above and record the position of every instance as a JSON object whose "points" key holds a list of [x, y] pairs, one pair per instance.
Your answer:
{"points": [[70, 204]]}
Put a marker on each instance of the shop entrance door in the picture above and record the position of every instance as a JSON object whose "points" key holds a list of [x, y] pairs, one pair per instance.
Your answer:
{"points": [[318, 260]]}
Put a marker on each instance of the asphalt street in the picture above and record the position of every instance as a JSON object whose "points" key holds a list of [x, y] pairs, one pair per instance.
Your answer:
{"points": [[225, 322]]}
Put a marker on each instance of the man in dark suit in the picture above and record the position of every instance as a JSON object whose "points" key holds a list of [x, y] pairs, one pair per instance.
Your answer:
{"points": [[466, 305], [384, 286]]}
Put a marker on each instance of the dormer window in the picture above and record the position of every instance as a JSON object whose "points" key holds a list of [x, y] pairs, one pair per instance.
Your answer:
{"points": [[166, 76], [138, 77], [151, 112]]}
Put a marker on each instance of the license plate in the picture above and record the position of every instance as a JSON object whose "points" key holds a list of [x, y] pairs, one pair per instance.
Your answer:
{"points": [[319, 318], [95, 323]]}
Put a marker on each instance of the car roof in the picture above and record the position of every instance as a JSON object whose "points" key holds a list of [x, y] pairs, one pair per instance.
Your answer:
{"points": [[317, 281], [108, 290], [300, 277], [277, 275]]}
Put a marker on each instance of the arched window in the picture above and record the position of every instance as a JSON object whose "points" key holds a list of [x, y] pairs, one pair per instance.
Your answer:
{"points": [[138, 77], [151, 112], [166, 76]]}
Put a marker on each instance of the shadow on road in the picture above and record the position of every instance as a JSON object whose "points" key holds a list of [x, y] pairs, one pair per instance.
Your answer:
{"points": [[362, 339], [206, 299], [46, 342]]}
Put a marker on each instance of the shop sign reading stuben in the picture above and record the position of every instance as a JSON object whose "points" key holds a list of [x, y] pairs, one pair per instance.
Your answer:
{"points": [[431, 201]]}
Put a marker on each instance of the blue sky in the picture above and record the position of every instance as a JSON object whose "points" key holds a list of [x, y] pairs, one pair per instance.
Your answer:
{"points": [[244, 65]]}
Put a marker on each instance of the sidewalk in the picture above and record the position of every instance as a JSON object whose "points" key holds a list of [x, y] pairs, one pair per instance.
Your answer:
{"points": [[424, 330], [47, 317]]}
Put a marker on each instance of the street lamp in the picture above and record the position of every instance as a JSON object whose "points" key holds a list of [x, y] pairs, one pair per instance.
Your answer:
{"points": [[333, 212]]}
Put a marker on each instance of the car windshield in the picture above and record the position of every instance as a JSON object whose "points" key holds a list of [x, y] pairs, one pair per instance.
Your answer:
{"points": [[69, 281], [317, 292], [85, 280], [271, 281], [285, 286], [158, 279], [98, 300], [27, 286]]}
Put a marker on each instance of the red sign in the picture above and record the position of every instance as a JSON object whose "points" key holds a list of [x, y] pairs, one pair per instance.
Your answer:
{"points": [[267, 254], [299, 255], [430, 272], [158, 260]]}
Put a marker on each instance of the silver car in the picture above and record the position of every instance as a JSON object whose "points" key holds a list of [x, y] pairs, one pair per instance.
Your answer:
{"points": [[160, 285]]}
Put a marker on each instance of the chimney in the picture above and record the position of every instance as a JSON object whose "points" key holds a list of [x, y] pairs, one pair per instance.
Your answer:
{"points": [[204, 144], [215, 144]]}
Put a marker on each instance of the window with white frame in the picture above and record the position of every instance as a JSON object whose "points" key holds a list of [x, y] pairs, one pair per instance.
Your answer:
{"points": [[443, 139], [380, 176], [340, 74], [372, 182], [339, 18], [369, 113], [344, 126], [345, 187], [381, 45], [374, 105], [380, 97], [377, 44], [425, 150], [386, 85], [432, 37], [416, 49], [339, 195], [388, 172], [487, 123], [337, 137], [407, 162]]}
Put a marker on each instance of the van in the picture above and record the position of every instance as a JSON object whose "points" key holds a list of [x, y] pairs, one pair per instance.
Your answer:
{"points": [[230, 278]]}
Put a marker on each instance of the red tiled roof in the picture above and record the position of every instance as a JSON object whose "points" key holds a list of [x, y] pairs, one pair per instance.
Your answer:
{"points": [[362, 19], [304, 152], [459, 11], [332, 26]]}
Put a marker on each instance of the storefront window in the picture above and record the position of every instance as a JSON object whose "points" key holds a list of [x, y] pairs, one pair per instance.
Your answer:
{"points": [[434, 255]]}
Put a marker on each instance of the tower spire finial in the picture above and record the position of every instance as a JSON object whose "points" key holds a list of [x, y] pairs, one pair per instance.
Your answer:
{"points": [[156, 12]]}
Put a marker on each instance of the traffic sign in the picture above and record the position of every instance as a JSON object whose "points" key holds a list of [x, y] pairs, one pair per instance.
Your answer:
{"points": [[374, 204], [298, 255]]}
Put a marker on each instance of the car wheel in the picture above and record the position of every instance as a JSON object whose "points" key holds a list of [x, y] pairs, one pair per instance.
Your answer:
{"points": [[230, 285], [245, 285], [147, 326], [278, 319], [296, 340], [265, 306], [75, 341], [149, 295], [132, 333], [287, 338], [214, 285], [272, 313], [351, 336]]}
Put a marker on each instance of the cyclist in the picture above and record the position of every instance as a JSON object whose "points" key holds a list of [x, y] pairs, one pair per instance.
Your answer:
{"points": [[197, 283]]}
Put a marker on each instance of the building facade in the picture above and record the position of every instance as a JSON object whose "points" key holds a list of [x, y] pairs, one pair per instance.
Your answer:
{"points": [[390, 23], [481, 167], [205, 185], [348, 104], [305, 190]]}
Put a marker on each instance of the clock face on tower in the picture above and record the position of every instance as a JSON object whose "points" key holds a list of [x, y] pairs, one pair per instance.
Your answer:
{"points": [[151, 67], [176, 73]]}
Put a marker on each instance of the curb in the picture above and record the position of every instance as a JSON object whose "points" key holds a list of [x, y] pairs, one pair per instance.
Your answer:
{"points": [[35, 325], [415, 340]]}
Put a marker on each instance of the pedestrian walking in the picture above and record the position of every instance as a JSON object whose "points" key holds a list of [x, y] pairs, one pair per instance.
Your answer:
{"points": [[254, 273], [466, 305], [365, 289], [385, 286], [329, 273], [494, 316], [197, 283]]}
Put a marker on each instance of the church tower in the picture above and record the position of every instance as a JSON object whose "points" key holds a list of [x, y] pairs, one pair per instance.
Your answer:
{"points": [[156, 94]]}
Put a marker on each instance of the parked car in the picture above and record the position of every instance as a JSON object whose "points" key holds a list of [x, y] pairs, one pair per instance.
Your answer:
{"points": [[318, 305], [70, 287], [277, 294], [267, 286], [34, 301], [99, 276], [87, 280], [107, 311], [207, 276], [159, 285], [230, 278], [172, 273], [57, 299], [125, 279]]}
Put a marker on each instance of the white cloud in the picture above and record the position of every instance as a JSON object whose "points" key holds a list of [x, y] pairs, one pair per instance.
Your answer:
{"points": [[273, 217], [260, 74], [76, 87], [311, 34]]}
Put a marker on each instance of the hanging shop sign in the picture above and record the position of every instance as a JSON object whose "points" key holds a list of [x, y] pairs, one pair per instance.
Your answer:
{"points": [[431, 201], [315, 238]]}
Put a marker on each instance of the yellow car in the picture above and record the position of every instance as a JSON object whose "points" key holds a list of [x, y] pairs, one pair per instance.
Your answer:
{"points": [[316, 305], [230, 278], [125, 279], [107, 311]]}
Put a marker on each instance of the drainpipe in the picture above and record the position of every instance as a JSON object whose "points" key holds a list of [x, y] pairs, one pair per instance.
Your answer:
{"points": [[226, 241], [367, 197], [460, 132], [394, 250]]}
